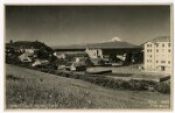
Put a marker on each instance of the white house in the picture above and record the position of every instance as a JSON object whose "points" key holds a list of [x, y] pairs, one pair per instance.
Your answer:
{"points": [[25, 58], [158, 55], [94, 53], [39, 62]]}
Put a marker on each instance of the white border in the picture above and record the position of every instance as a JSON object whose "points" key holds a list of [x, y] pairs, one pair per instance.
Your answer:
{"points": [[63, 2], [86, 1], [1, 55]]}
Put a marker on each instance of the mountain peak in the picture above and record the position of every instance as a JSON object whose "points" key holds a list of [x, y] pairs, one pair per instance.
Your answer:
{"points": [[116, 39]]}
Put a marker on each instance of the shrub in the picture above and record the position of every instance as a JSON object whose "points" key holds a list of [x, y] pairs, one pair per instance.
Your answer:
{"points": [[137, 85], [12, 77], [125, 85], [13, 59], [163, 87]]}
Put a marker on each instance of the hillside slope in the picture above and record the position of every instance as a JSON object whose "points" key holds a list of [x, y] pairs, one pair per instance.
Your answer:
{"points": [[27, 88]]}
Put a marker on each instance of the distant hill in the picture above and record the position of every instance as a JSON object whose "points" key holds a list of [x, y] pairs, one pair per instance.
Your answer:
{"points": [[112, 45], [74, 46], [103, 45]]}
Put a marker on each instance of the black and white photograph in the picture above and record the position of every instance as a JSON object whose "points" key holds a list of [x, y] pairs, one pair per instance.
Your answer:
{"points": [[81, 57]]}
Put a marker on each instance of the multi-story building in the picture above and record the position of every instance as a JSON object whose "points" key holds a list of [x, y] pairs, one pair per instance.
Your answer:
{"points": [[158, 55], [94, 53]]}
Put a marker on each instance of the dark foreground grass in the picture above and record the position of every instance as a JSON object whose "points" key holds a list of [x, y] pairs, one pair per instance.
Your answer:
{"points": [[27, 88], [32, 93]]}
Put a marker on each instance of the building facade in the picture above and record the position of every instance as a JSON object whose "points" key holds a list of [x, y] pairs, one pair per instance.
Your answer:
{"points": [[94, 53], [158, 55]]}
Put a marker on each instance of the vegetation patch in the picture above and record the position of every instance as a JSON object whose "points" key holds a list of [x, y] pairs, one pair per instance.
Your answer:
{"points": [[12, 77], [31, 94], [139, 85], [163, 87]]}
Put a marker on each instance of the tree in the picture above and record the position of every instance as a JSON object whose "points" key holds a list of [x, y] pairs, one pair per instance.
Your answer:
{"points": [[11, 41]]}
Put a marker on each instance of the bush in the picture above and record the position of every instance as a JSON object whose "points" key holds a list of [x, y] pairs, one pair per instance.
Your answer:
{"points": [[138, 85], [163, 87], [13, 59], [125, 85], [119, 83]]}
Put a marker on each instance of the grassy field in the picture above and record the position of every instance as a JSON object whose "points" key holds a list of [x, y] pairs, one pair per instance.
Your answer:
{"points": [[27, 88]]}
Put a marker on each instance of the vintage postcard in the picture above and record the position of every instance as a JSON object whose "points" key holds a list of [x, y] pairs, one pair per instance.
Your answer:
{"points": [[117, 57]]}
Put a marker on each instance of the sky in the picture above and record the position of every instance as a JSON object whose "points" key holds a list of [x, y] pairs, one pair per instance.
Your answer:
{"points": [[65, 25]]}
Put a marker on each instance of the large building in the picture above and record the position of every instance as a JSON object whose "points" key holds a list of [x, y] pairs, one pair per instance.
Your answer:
{"points": [[158, 55]]}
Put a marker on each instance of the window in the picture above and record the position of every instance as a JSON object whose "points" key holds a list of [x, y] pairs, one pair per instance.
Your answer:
{"points": [[150, 56], [149, 60], [149, 45], [169, 44], [157, 50], [163, 45], [162, 61], [169, 50], [169, 62], [162, 68], [149, 50], [157, 61]]}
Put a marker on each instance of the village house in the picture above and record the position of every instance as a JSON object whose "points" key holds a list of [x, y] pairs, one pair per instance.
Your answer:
{"points": [[94, 53], [25, 58], [39, 62], [158, 55]]}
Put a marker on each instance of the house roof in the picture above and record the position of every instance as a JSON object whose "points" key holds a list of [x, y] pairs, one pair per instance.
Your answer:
{"points": [[161, 39]]}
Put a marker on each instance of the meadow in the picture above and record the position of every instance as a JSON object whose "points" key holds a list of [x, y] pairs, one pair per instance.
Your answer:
{"points": [[28, 89]]}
